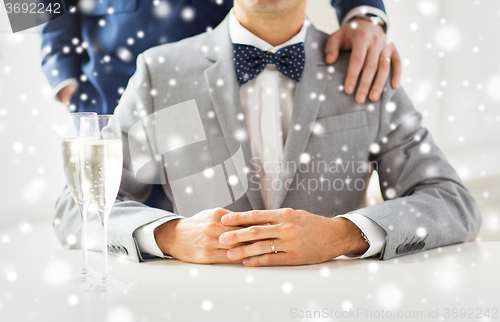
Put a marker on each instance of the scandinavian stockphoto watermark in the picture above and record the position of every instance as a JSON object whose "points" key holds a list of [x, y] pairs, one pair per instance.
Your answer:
{"points": [[462, 313], [313, 175], [207, 171], [26, 14]]}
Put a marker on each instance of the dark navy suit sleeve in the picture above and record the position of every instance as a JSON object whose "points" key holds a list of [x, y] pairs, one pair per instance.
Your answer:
{"points": [[342, 7], [56, 35]]}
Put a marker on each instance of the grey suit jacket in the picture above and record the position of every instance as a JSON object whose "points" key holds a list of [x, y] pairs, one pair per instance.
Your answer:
{"points": [[426, 205]]}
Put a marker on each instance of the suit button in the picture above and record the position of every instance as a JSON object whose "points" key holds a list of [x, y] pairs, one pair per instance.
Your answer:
{"points": [[421, 245], [407, 248], [414, 247], [125, 251], [400, 249], [270, 151]]}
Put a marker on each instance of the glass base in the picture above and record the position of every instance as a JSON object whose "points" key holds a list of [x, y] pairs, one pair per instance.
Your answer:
{"points": [[84, 275], [108, 284]]}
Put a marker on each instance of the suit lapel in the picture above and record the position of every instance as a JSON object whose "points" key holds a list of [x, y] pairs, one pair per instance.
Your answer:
{"points": [[224, 91], [308, 97]]}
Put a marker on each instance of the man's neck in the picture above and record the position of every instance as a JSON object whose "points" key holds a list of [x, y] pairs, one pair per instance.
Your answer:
{"points": [[272, 28]]}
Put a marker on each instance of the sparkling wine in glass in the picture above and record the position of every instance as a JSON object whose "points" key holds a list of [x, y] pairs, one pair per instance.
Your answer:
{"points": [[87, 128], [103, 168]]}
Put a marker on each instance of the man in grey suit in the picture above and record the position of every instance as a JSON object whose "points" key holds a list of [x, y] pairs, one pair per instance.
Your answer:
{"points": [[308, 150]]}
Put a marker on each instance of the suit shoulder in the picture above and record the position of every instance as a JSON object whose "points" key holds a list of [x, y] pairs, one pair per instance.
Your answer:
{"points": [[342, 62], [320, 41], [185, 49]]}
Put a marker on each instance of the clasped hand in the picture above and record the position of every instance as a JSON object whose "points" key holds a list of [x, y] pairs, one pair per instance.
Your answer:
{"points": [[218, 235]]}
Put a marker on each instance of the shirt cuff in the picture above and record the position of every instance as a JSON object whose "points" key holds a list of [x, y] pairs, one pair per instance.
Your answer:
{"points": [[62, 85], [375, 234], [362, 10], [146, 239]]}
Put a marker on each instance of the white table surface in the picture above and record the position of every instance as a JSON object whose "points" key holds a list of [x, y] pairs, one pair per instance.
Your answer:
{"points": [[448, 279]]}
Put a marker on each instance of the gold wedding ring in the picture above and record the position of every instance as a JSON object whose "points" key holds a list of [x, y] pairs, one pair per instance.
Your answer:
{"points": [[273, 247], [385, 58]]}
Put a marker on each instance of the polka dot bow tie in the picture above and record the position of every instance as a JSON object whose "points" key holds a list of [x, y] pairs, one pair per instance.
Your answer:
{"points": [[250, 61]]}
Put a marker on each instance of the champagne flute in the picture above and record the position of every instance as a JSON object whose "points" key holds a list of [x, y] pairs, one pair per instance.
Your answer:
{"points": [[87, 128], [103, 167]]}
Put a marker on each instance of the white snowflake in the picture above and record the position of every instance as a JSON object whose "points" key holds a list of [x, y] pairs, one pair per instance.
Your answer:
{"points": [[390, 107], [11, 275], [425, 148], [187, 14], [206, 305], [287, 287], [241, 135], [318, 129], [389, 297], [447, 38], [73, 300], [119, 314], [324, 271], [493, 88], [233, 180], [18, 147], [305, 158], [347, 305], [124, 54], [373, 267], [428, 8], [390, 193], [71, 239], [161, 9], [421, 232], [374, 148], [208, 173]]}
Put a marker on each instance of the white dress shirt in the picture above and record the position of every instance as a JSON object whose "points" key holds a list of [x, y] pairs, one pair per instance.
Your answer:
{"points": [[267, 103]]}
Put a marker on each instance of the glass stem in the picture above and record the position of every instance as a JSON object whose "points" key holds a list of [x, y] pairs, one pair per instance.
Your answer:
{"points": [[105, 217], [83, 212]]}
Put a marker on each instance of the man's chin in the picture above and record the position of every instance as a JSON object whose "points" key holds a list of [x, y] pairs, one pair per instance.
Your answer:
{"points": [[265, 6]]}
